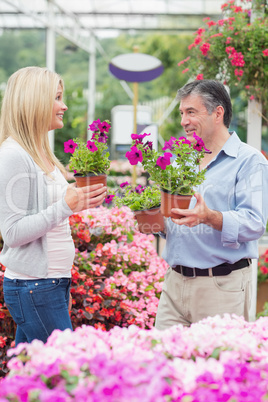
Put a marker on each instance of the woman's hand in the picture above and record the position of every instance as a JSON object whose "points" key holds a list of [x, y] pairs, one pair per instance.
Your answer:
{"points": [[80, 198]]}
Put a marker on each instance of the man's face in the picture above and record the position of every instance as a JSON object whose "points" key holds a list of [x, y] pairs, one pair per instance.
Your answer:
{"points": [[195, 118]]}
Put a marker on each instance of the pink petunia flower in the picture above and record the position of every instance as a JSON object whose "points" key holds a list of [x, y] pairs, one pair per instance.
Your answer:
{"points": [[164, 161], [124, 184], [199, 145], [134, 155], [94, 126], [69, 146], [92, 146], [139, 136], [109, 199], [265, 52], [103, 137], [169, 144], [104, 127]]}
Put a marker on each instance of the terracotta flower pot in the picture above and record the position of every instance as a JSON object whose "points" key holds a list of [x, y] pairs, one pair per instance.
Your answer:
{"points": [[150, 220], [169, 201], [89, 180]]}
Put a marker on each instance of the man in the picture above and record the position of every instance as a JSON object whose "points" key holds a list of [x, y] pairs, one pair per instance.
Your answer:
{"points": [[209, 249]]}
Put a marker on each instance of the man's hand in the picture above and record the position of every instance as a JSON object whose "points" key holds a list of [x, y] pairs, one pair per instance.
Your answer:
{"points": [[199, 214]]}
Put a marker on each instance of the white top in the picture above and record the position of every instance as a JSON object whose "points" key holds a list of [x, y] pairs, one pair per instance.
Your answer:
{"points": [[60, 245]]}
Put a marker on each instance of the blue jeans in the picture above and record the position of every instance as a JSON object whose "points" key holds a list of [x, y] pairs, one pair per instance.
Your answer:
{"points": [[38, 306]]}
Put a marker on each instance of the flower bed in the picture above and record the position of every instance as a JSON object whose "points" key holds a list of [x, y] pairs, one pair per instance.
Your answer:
{"points": [[217, 359], [117, 274], [116, 277]]}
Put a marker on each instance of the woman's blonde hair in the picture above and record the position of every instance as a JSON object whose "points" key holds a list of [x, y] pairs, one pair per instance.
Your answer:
{"points": [[26, 111]]}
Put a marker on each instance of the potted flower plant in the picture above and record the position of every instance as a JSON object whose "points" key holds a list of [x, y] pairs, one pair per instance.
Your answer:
{"points": [[145, 203], [176, 170], [90, 160]]}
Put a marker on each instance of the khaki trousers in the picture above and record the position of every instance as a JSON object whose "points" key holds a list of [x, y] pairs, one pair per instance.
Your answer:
{"points": [[187, 300]]}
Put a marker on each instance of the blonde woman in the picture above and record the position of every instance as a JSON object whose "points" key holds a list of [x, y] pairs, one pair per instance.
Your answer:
{"points": [[35, 204]]}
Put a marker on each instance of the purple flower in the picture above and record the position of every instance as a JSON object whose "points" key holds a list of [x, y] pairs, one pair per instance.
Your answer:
{"points": [[169, 144], [124, 184], [94, 126], [183, 140], [91, 146], [104, 127], [109, 199], [164, 161], [139, 136], [69, 146], [139, 189], [134, 155], [103, 138], [148, 145], [199, 145]]}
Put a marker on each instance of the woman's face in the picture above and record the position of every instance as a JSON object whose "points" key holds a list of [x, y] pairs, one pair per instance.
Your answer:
{"points": [[58, 110]]}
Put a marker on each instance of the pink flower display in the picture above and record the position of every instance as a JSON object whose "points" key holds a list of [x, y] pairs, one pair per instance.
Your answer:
{"points": [[216, 359], [233, 49]]}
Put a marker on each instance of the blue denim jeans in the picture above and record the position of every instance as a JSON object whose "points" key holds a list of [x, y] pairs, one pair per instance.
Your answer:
{"points": [[38, 306]]}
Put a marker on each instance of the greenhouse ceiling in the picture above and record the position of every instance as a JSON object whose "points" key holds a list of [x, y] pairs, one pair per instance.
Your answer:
{"points": [[108, 17]]}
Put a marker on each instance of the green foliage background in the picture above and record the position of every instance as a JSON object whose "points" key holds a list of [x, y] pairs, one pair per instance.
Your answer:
{"points": [[22, 48]]}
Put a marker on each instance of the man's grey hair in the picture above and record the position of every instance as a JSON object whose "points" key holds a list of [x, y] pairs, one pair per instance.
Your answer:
{"points": [[213, 94]]}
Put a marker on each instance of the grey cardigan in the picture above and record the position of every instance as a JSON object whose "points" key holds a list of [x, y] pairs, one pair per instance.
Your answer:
{"points": [[25, 216]]}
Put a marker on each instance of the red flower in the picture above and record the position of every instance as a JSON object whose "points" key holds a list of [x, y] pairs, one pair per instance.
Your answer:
{"points": [[205, 48], [199, 77], [265, 52]]}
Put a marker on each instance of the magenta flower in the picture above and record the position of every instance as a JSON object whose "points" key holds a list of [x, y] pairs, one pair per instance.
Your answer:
{"points": [[92, 146], [265, 52], [183, 140], [124, 184], [104, 127], [69, 146], [103, 138], [109, 199], [134, 155], [94, 126], [169, 144], [139, 189], [199, 145], [139, 136], [164, 161]]}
